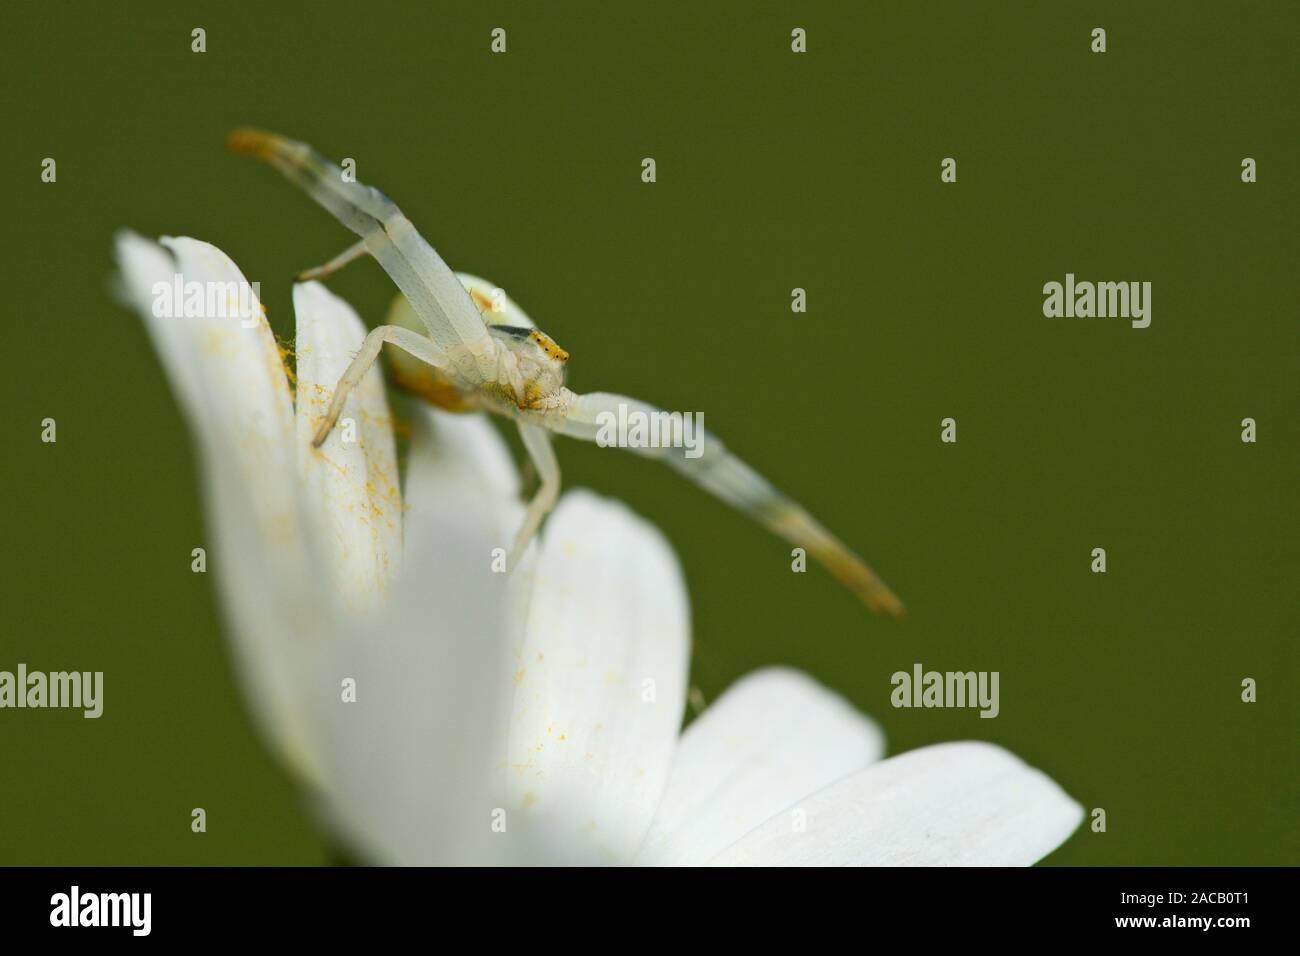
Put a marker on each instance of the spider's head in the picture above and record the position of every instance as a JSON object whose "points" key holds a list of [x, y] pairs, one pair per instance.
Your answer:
{"points": [[541, 362]]}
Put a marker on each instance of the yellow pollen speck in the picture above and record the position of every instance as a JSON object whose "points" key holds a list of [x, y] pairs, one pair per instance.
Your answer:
{"points": [[286, 353], [519, 676]]}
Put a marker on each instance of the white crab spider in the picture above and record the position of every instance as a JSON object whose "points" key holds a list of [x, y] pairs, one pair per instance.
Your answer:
{"points": [[467, 361]]}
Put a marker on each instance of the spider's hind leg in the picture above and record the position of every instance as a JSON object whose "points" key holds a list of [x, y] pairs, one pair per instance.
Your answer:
{"points": [[537, 441]]}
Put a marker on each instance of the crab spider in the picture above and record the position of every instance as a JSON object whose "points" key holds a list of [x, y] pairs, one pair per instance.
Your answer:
{"points": [[461, 359]]}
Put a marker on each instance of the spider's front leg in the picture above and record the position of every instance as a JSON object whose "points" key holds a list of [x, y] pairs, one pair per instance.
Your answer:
{"points": [[728, 478], [418, 345], [537, 441], [445, 308]]}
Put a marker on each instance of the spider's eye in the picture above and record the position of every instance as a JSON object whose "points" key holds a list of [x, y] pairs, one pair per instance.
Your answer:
{"points": [[514, 331], [544, 342]]}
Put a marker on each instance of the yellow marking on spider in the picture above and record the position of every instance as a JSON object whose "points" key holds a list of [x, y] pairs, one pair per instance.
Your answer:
{"points": [[548, 345]]}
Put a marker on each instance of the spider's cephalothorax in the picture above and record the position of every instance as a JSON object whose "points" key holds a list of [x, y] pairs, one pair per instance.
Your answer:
{"points": [[529, 364]]}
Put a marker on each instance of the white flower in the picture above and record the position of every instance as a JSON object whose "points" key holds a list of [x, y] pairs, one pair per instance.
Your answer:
{"points": [[524, 717]]}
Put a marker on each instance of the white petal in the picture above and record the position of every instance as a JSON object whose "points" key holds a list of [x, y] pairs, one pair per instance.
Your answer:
{"points": [[462, 481], [230, 382], [774, 737], [414, 764], [955, 804], [242, 361], [600, 683], [351, 480], [460, 472]]}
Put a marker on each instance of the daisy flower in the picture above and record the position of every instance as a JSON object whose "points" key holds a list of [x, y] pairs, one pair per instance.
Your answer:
{"points": [[437, 710]]}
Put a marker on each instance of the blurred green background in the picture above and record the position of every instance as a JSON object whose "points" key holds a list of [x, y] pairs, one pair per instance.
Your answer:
{"points": [[775, 170]]}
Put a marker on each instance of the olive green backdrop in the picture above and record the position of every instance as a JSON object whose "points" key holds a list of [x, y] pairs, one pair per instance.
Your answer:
{"points": [[775, 170]]}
